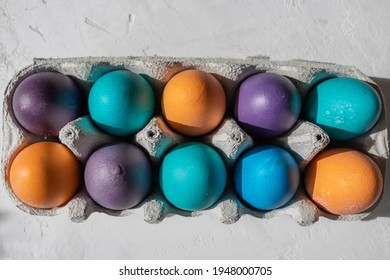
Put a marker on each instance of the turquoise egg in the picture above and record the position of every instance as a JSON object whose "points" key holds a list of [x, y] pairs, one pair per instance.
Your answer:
{"points": [[121, 102], [192, 176], [266, 177], [344, 107]]}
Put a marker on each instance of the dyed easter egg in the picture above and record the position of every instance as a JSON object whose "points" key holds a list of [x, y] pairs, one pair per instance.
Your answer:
{"points": [[45, 175], [266, 177], [344, 107], [121, 102], [267, 105], [343, 181], [193, 102], [192, 176], [44, 102], [118, 176]]}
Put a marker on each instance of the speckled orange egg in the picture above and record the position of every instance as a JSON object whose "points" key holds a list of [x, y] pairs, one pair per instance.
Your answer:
{"points": [[45, 175], [193, 102], [343, 181]]}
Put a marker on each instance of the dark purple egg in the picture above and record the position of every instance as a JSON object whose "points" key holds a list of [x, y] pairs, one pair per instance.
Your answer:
{"points": [[118, 176], [267, 105], [46, 101]]}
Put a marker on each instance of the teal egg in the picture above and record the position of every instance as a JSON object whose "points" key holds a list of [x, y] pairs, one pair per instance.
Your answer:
{"points": [[192, 176], [344, 107], [121, 102]]}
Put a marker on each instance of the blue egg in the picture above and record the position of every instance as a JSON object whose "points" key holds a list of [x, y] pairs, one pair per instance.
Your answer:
{"points": [[344, 107], [266, 177], [192, 176], [121, 102]]}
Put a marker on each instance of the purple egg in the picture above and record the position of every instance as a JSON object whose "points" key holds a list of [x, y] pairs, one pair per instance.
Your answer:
{"points": [[118, 176], [267, 105], [46, 101]]}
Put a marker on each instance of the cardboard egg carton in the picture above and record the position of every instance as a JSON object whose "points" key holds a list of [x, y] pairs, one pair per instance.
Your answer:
{"points": [[82, 137]]}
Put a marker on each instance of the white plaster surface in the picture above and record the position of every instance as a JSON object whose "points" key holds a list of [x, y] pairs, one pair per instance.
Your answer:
{"points": [[344, 32]]}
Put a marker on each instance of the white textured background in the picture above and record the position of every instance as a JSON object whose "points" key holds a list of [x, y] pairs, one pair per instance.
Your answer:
{"points": [[344, 32]]}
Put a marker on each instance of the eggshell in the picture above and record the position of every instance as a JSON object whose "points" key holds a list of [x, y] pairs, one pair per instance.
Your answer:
{"points": [[193, 102], [118, 176], [267, 105], [343, 181], [45, 175], [192, 176], [121, 102], [266, 177], [344, 107], [46, 101]]}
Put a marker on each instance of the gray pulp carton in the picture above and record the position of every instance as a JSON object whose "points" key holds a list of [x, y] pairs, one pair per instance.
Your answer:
{"points": [[81, 136]]}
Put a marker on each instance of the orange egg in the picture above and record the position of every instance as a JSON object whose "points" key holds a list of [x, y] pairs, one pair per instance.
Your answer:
{"points": [[193, 102], [45, 175], [343, 181]]}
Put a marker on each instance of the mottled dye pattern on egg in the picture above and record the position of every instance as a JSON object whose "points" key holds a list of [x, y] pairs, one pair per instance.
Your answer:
{"points": [[344, 107], [46, 101], [343, 181]]}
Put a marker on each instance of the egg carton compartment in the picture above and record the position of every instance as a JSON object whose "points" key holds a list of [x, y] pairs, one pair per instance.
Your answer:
{"points": [[82, 137]]}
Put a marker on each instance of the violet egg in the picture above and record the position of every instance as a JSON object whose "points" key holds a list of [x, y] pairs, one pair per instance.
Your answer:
{"points": [[44, 102], [118, 176], [267, 105]]}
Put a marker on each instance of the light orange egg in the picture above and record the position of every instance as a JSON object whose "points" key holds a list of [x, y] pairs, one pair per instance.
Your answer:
{"points": [[343, 181], [193, 102], [45, 175]]}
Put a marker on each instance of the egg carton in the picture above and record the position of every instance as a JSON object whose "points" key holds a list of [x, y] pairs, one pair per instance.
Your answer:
{"points": [[82, 137]]}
